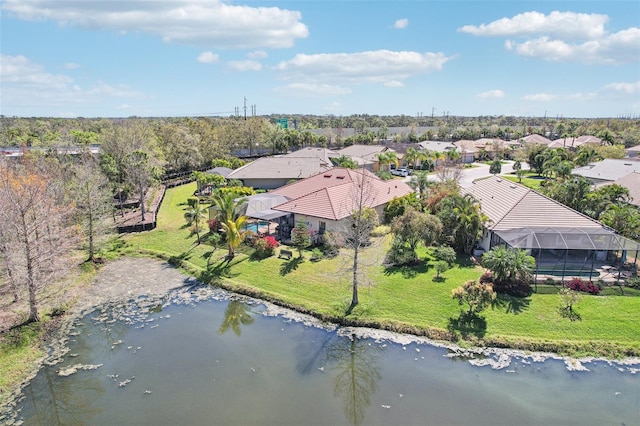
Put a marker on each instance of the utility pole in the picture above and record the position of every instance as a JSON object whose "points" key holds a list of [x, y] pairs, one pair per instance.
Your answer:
{"points": [[245, 107]]}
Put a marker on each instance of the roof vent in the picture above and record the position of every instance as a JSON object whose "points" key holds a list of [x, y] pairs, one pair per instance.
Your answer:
{"points": [[499, 180], [327, 176], [512, 186]]}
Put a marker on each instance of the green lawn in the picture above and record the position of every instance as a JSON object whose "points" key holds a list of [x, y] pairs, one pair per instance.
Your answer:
{"points": [[529, 179], [406, 299]]}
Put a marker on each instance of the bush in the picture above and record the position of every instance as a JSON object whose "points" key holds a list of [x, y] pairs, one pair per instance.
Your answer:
{"points": [[380, 231], [633, 282], [486, 278], [213, 225], [331, 243], [400, 254], [265, 246], [577, 284]]}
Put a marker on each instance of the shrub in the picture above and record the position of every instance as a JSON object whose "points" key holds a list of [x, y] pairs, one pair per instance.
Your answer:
{"points": [[633, 282], [193, 202], [331, 243], [213, 225], [486, 278], [380, 230], [316, 254], [265, 246], [577, 284], [400, 254], [445, 253]]}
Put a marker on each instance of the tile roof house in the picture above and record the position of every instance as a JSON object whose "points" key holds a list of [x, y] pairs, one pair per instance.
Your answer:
{"points": [[444, 147], [325, 200], [633, 151], [365, 155], [274, 172], [573, 143], [324, 154], [632, 183], [607, 170], [562, 240], [535, 139]]}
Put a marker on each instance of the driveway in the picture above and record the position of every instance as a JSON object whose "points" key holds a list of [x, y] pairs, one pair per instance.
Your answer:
{"points": [[478, 171]]}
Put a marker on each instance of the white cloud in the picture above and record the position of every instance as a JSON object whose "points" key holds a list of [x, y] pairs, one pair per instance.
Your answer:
{"points": [[539, 97], [394, 83], [257, 54], [333, 108], [208, 57], [401, 24], [556, 24], [212, 23], [621, 47], [491, 94], [582, 96], [26, 83], [310, 89], [71, 66], [625, 88], [564, 37], [377, 66], [247, 65]]}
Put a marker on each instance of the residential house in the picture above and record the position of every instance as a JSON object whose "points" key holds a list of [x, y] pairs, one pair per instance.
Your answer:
{"points": [[365, 155], [632, 183], [442, 147], [607, 170], [573, 142], [563, 241], [633, 151], [324, 201], [535, 139], [274, 172]]}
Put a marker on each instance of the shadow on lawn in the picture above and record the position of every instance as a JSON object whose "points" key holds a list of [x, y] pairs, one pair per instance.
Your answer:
{"points": [[468, 325], [408, 271], [511, 304], [290, 265]]}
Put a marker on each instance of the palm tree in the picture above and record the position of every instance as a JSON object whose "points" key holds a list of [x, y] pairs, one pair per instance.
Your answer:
{"points": [[227, 205], [420, 182], [412, 156], [234, 233], [194, 215], [387, 158], [236, 314], [508, 264]]}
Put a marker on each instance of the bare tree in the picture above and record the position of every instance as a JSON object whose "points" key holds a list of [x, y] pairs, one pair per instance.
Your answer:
{"points": [[93, 200], [449, 172], [359, 225], [34, 218]]}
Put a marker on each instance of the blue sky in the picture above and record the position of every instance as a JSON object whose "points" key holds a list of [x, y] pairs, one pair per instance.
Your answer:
{"points": [[116, 58]]}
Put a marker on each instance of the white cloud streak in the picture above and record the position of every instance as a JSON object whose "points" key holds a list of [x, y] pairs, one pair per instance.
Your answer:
{"points": [[25, 83], [208, 57], [379, 66], [491, 94], [214, 24], [247, 65], [401, 24], [564, 37]]}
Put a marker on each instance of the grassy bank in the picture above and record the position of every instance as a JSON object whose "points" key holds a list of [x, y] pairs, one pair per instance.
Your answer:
{"points": [[404, 299]]}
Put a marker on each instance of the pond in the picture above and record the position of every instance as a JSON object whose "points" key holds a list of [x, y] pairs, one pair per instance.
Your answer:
{"points": [[201, 357]]}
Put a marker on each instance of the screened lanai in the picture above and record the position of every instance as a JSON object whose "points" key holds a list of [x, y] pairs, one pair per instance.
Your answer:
{"points": [[571, 251]]}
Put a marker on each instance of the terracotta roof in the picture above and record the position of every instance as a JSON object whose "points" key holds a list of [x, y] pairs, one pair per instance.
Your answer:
{"points": [[537, 139], [333, 194], [281, 168], [510, 205], [574, 142]]}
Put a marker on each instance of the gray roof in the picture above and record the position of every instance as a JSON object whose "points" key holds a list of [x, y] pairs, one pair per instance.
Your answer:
{"points": [[537, 139], [510, 205], [437, 146], [367, 152], [281, 168], [608, 169], [526, 219], [632, 183], [222, 171], [312, 152]]}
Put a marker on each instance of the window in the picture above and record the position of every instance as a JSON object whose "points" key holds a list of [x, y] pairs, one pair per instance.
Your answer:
{"points": [[323, 227]]}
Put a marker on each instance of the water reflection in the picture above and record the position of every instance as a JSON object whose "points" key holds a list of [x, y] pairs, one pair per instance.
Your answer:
{"points": [[275, 370], [356, 374], [235, 315]]}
